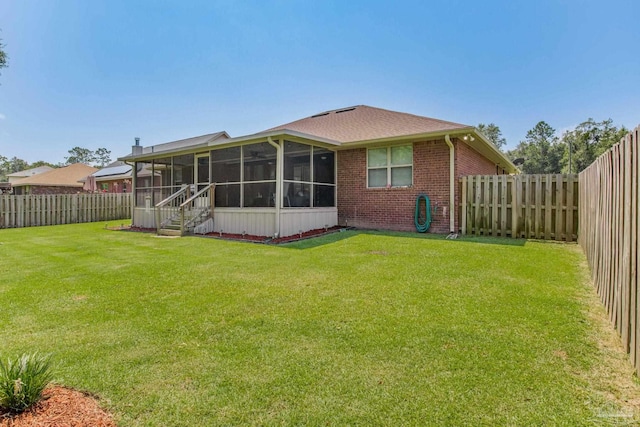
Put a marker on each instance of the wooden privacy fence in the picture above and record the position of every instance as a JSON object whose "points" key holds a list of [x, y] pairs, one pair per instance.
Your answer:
{"points": [[54, 209], [526, 206], [609, 235]]}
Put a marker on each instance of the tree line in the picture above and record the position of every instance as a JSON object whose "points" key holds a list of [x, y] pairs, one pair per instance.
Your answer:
{"points": [[98, 158], [544, 151]]}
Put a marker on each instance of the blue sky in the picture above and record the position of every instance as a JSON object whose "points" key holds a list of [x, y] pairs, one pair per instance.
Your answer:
{"points": [[97, 73]]}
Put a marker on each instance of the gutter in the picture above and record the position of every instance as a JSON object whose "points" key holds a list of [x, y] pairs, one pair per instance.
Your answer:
{"points": [[451, 184], [279, 165], [134, 184]]}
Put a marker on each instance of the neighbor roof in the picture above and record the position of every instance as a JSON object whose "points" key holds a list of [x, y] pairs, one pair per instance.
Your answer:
{"points": [[61, 177], [364, 123], [30, 172]]}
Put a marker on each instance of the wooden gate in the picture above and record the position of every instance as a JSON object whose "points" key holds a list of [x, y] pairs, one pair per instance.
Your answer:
{"points": [[524, 206]]}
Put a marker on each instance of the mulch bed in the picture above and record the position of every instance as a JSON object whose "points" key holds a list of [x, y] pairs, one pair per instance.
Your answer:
{"points": [[61, 407], [270, 240], [248, 237], [307, 234]]}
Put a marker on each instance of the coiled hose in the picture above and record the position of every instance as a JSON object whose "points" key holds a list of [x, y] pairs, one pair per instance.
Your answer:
{"points": [[423, 227]]}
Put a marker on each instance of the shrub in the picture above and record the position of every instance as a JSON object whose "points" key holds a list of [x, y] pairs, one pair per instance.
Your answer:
{"points": [[22, 381]]}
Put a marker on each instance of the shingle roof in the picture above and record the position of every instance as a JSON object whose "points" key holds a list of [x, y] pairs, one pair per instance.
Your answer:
{"points": [[67, 176], [30, 172], [189, 142], [363, 123]]}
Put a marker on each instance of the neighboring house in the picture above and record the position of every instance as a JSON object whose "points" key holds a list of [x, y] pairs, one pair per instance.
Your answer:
{"points": [[16, 176], [113, 178], [358, 166], [65, 180]]}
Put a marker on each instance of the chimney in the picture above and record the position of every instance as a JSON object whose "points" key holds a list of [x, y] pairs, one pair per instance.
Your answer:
{"points": [[136, 149]]}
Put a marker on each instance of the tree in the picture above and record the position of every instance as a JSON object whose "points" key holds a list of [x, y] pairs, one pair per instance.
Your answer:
{"points": [[3, 171], [3, 56], [80, 155], [583, 145], [16, 165], [102, 157], [39, 163], [8, 166], [493, 134], [540, 151]]}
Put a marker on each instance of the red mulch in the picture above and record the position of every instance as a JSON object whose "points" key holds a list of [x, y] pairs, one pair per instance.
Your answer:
{"points": [[307, 234], [61, 407], [250, 237], [264, 239]]}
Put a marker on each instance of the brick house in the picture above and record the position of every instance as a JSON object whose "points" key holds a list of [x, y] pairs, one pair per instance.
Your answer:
{"points": [[358, 166], [113, 178], [65, 180]]}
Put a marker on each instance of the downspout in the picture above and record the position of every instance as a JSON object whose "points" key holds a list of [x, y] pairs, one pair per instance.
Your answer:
{"points": [[134, 180], [279, 164], [452, 184]]}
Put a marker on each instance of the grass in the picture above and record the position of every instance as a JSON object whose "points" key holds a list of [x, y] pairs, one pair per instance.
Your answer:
{"points": [[348, 329]]}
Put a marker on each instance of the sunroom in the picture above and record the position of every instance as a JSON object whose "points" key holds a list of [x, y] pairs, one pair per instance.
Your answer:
{"points": [[274, 184]]}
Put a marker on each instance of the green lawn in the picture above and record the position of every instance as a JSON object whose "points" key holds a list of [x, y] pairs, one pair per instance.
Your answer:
{"points": [[348, 329]]}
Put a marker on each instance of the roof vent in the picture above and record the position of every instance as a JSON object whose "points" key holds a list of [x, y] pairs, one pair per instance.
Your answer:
{"points": [[320, 115], [345, 110]]}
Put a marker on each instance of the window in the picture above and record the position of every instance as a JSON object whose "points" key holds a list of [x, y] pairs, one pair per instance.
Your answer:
{"points": [[183, 170], [259, 177], [390, 166], [309, 176], [244, 176], [225, 172]]}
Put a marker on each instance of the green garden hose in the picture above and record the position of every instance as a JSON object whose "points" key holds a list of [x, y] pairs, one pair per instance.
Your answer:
{"points": [[423, 227]]}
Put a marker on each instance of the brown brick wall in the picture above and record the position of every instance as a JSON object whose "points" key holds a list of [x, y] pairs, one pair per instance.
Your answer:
{"points": [[40, 189], [115, 186], [393, 208]]}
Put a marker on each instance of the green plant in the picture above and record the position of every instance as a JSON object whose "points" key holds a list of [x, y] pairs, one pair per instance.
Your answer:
{"points": [[22, 381]]}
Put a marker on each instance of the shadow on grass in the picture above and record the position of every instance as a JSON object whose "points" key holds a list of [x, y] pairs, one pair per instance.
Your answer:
{"points": [[327, 239]]}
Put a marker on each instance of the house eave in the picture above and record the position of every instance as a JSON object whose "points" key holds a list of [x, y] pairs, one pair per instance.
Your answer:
{"points": [[230, 142], [278, 134], [490, 151], [482, 145], [404, 138]]}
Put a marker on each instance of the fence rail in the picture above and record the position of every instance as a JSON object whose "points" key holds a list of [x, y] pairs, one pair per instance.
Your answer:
{"points": [[609, 235], [526, 206], [54, 209]]}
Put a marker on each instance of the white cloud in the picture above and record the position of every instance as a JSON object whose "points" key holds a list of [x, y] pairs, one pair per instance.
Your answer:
{"points": [[2, 116]]}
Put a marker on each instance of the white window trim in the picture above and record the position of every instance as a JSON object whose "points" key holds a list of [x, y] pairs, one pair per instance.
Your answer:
{"points": [[389, 166]]}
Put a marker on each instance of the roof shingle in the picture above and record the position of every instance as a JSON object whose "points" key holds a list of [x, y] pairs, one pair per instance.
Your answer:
{"points": [[67, 176], [364, 123]]}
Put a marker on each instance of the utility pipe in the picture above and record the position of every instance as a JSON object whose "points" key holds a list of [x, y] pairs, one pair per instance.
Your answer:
{"points": [[279, 165], [452, 184]]}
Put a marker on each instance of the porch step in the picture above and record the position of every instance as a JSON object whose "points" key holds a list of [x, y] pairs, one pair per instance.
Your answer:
{"points": [[169, 232]]}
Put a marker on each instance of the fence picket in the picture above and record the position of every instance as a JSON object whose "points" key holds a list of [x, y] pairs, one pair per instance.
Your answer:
{"points": [[531, 201], [609, 233], [503, 205], [36, 210]]}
